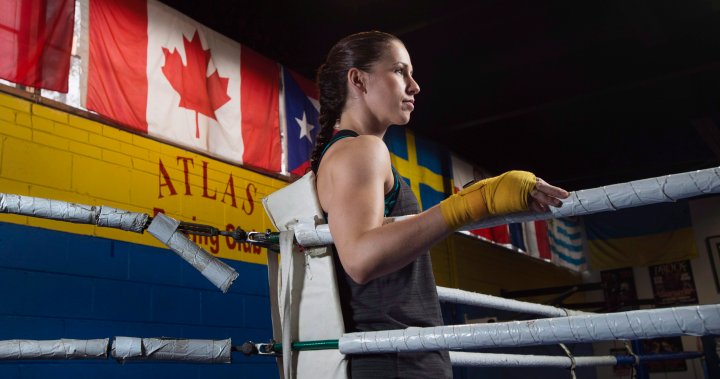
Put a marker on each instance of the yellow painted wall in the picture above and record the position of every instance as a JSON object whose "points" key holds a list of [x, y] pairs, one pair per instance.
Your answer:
{"points": [[49, 153], [468, 263]]}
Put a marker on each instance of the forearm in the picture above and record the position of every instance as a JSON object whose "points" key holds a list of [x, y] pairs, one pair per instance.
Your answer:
{"points": [[389, 248]]}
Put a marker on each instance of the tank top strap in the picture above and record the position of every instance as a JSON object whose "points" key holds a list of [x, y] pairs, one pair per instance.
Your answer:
{"points": [[392, 196], [344, 133], [336, 137]]}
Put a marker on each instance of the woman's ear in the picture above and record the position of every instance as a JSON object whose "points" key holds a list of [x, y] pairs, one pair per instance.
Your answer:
{"points": [[356, 81]]}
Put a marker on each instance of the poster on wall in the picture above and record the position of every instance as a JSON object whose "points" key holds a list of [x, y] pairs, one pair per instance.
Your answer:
{"points": [[664, 345], [619, 288], [673, 284]]}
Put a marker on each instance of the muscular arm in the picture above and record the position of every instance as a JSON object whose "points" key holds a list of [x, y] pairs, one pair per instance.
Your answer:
{"points": [[352, 181], [351, 187]]}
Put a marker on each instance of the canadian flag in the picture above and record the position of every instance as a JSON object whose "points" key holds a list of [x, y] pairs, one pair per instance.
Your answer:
{"points": [[159, 72]]}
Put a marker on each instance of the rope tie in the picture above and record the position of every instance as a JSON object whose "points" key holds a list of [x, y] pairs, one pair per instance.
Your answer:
{"points": [[572, 360], [636, 358]]}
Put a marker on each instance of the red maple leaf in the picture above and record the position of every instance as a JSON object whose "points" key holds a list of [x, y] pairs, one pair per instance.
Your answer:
{"points": [[198, 92]]}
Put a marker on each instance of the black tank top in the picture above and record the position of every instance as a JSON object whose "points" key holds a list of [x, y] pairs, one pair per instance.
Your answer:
{"points": [[405, 298]]}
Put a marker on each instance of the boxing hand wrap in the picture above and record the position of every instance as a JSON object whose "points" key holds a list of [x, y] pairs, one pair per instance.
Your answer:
{"points": [[502, 194]]}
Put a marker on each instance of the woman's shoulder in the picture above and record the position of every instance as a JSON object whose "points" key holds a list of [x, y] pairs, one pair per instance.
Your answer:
{"points": [[363, 150], [362, 144]]}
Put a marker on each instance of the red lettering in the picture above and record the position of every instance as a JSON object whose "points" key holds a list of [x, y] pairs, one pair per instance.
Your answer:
{"points": [[205, 183], [164, 176], [186, 170], [229, 240], [249, 198], [231, 187], [214, 244]]}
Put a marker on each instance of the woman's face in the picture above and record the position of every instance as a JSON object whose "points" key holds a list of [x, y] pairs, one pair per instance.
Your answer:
{"points": [[391, 88]]}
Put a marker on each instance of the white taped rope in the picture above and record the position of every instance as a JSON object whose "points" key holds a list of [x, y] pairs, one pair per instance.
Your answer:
{"points": [[54, 349], [583, 202], [636, 193], [453, 295], [216, 271], [461, 358], [642, 324], [77, 213], [172, 349]]}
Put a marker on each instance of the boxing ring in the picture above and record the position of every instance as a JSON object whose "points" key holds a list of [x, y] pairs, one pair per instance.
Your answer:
{"points": [[302, 246]]}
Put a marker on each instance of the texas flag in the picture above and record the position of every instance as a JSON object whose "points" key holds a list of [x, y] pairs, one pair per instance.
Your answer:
{"points": [[160, 72], [301, 120]]}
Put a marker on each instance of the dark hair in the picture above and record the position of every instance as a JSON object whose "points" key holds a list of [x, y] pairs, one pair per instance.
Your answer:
{"points": [[358, 50]]}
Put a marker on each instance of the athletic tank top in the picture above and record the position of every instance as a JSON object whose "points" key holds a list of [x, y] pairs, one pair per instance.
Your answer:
{"points": [[405, 298]]}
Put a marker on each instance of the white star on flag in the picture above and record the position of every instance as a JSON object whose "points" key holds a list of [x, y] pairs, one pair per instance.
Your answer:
{"points": [[305, 127]]}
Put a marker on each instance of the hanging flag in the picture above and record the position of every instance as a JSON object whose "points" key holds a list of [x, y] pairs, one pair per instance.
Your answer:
{"points": [[566, 243], [464, 174], [159, 72], [517, 239], [422, 163], [36, 42], [302, 107], [642, 236], [537, 244]]}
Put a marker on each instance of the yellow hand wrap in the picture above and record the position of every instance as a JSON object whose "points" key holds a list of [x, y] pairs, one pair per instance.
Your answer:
{"points": [[502, 194]]}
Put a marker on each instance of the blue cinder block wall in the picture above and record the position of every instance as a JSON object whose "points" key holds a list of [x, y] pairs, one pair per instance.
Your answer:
{"points": [[61, 285]]}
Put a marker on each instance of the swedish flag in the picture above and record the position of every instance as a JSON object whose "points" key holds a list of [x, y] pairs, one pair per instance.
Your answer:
{"points": [[423, 164]]}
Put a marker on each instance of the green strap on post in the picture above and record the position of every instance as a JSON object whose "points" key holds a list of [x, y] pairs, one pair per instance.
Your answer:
{"points": [[309, 345]]}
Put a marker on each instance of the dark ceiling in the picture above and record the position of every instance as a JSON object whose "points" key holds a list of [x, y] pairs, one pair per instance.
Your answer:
{"points": [[582, 93]]}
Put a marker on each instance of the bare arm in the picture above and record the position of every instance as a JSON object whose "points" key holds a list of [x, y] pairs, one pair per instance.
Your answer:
{"points": [[351, 186]]}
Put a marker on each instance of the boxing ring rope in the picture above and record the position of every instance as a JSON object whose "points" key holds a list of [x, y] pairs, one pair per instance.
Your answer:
{"points": [[125, 349], [636, 193], [641, 324], [54, 349], [122, 349], [77, 213], [460, 358], [457, 296]]}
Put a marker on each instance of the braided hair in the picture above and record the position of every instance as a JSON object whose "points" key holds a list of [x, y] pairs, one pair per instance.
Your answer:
{"points": [[358, 50]]}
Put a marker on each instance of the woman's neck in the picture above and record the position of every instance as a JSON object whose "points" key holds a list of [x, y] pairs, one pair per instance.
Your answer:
{"points": [[362, 123]]}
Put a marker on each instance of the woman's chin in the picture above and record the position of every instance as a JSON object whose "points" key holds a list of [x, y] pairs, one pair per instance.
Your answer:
{"points": [[403, 120]]}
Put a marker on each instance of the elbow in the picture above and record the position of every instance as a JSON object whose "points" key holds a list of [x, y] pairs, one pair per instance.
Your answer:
{"points": [[359, 275], [358, 270]]}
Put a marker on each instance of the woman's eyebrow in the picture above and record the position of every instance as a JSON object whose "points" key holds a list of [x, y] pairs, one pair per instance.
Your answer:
{"points": [[405, 65]]}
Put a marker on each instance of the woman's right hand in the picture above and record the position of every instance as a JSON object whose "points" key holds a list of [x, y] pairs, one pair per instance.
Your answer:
{"points": [[513, 191]]}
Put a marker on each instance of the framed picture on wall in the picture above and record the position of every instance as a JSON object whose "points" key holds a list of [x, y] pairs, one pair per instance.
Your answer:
{"points": [[619, 288], [712, 244], [673, 284]]}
